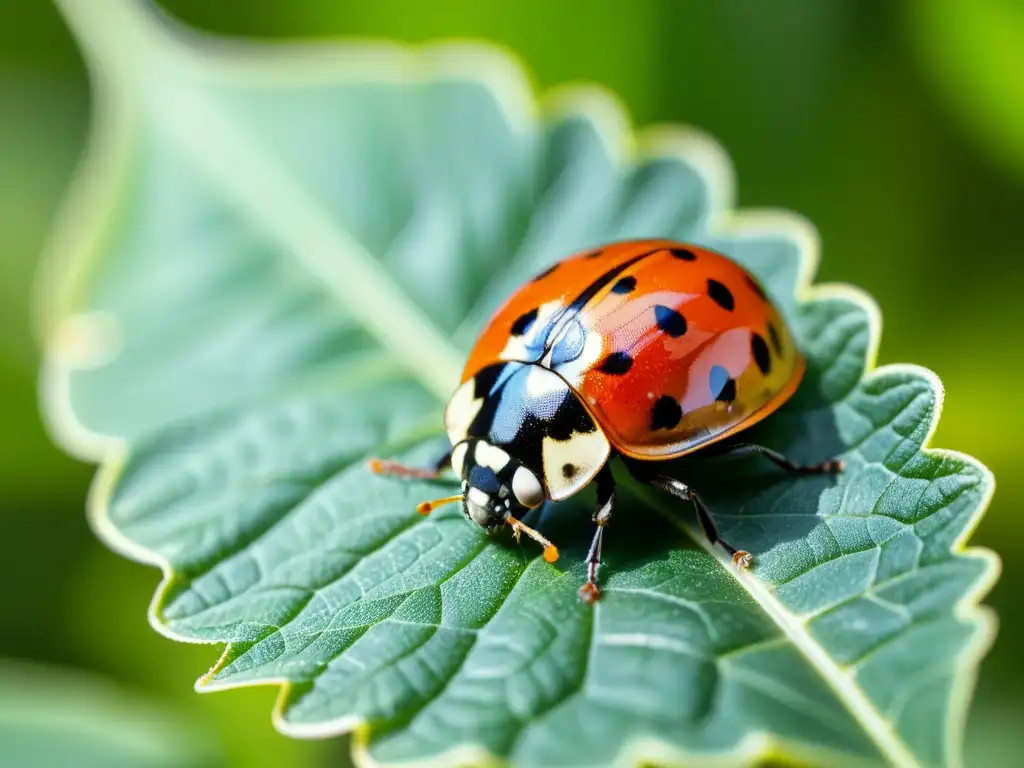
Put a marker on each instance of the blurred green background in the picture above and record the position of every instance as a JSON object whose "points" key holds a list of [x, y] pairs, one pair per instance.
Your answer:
{"points": [[896, 127]]}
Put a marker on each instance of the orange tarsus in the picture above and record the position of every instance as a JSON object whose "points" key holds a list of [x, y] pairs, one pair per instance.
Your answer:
{"points": [[550, 550], [426, 507], [741, 559], [388, 467], [589, 593]]}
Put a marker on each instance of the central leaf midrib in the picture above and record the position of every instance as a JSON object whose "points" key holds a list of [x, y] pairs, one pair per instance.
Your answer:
{"points": [[843, 686], [155, 69]]}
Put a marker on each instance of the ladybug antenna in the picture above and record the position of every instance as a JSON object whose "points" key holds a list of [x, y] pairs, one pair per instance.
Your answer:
{"points": [[550, 550], [426, 507]]}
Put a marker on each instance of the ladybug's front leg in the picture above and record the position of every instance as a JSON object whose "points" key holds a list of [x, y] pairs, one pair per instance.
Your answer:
{"points": [[396, 468], [590, 592]]}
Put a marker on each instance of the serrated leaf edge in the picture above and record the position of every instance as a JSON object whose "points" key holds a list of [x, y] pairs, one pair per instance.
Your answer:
{"points": [[91, 341]]}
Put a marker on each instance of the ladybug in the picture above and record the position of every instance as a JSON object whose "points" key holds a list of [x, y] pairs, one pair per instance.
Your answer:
{"points": [[647, 350]]}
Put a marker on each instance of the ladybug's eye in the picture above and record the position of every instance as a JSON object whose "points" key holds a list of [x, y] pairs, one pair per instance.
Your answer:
{"points": [[527, 488]]}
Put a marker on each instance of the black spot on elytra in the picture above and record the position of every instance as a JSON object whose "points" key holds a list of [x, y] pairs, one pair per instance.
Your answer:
{"points": [[616, 364], [568, 471], [669, 321], [773, 335], [523, 322], [624, 284], [544, 273], [756, 287], [683, 253], [666, 413], [721, 295], [728, 392], [581, 301], [721, 384], [762, 356]]}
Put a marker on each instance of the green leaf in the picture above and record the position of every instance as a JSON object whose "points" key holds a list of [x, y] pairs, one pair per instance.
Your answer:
{"points": [[254, 288], [58, 718]]}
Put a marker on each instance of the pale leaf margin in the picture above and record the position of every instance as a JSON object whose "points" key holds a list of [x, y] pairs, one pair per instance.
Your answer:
{"points": [[76, 341]]}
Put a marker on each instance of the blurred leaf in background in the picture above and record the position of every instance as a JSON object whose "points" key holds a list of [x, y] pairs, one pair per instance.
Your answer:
{"points": [[57, 717], [973, 51], [836, 110]]}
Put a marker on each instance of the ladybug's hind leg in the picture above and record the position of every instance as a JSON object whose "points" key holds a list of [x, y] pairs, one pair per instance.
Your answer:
{"points": [[397, 469], [740, 557], [590, 592], [738, 449]]}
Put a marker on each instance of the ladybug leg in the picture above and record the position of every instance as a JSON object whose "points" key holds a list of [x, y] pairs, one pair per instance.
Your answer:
{"points": [[830, 466], [740, 557], [590, 592], [397, 469]]}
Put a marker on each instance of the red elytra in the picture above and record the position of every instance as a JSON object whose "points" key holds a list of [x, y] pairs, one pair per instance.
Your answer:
{"points": [[674, 321]]}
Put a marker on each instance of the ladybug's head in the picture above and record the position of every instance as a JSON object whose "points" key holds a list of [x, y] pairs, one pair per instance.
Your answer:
{"points": [[498, 489], [495, 485]]}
